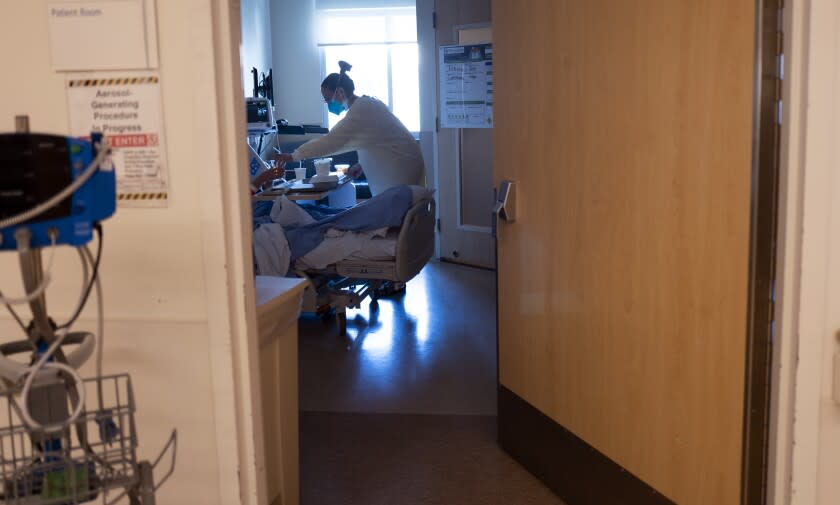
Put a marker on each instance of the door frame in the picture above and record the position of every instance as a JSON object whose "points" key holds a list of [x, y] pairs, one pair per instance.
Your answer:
{"points": [[426, 40], [762, 265], [807, 196], [234, 347]]}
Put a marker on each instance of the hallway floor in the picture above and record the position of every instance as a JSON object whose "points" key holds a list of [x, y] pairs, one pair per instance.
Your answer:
{"points": [[402, 411]]}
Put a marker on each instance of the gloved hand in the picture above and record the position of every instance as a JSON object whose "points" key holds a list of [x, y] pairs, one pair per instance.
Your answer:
{"points": [[355, 171]]}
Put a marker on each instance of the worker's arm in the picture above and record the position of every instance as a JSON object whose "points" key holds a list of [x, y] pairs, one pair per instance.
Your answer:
{"points": [[343, 137]]}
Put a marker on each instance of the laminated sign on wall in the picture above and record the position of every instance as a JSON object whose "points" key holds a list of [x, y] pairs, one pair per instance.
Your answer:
{"points": [[466, 86], [127, 110]]}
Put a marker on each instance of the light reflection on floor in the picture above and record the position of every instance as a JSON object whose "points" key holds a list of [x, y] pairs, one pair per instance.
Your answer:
{"points": [[413, 352], [376, 341], [366, 434], [374, 335]]}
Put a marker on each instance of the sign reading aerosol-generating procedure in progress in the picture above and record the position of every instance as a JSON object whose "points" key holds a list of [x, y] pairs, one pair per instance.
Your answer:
{"points": [[127, 110]]}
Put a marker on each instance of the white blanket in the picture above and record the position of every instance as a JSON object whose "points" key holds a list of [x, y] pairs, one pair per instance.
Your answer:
{"points": [[271, 250], [337, 246], [272, 253]]}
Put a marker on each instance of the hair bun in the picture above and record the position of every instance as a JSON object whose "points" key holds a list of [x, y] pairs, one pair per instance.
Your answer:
{"points": [[344, 66]]}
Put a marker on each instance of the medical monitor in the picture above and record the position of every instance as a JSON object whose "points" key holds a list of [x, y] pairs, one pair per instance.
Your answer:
{"points": [[260, 113], [35, 168]]}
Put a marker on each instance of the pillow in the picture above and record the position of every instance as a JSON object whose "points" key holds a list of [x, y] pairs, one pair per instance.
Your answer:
{"points": [[421, 192], [287, 213]]}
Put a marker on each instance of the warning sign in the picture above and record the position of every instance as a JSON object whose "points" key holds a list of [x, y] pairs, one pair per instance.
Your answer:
{"points": [[127, 110]]}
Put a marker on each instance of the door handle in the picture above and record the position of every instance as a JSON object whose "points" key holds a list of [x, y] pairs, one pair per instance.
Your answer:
{"points": [[505, 207]]}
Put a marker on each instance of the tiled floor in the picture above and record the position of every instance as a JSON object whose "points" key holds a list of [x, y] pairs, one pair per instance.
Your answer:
{"points": [[402, 410]]}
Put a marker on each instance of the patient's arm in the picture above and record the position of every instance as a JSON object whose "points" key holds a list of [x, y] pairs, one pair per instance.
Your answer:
{"points": [[267, 175]]}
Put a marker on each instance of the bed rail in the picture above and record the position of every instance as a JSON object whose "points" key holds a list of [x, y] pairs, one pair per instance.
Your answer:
{"points": [[346, 283], [416, 241]]}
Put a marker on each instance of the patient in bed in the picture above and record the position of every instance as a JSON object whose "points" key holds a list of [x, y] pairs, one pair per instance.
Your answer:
{"points": [[286, 235]]}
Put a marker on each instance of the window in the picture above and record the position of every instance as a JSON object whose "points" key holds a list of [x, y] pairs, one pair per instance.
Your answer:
{"points": [[381, 44]]}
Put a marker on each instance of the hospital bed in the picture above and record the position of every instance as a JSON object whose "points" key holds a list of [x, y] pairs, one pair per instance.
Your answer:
{"points": [[346, 283]]}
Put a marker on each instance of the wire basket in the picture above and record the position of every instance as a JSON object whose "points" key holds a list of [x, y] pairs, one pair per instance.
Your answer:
{"points": [[78, 464]]}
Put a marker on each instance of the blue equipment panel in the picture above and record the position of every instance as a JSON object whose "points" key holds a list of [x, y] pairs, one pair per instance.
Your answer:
{"points": [[33, 168]]}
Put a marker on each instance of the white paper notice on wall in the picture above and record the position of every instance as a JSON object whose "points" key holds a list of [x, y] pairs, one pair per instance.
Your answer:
{"points": [[98, 35], [127, 109], [466, 86]]}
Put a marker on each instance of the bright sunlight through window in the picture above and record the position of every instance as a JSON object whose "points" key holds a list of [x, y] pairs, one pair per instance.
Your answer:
{"points": [[381, 44]]}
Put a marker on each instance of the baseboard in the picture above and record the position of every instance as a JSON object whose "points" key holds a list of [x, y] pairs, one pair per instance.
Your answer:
{"points": [[570, 467]]}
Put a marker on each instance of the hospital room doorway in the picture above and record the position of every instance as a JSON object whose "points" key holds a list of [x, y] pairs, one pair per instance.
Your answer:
{"points": [[632, 334], [401, 408]]}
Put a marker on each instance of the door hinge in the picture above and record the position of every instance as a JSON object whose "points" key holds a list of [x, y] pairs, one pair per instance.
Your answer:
{"points": [[438, 224], [437, 124], [434, 20]]}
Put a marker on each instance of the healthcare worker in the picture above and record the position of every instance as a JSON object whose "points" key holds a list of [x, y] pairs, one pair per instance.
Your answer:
{"points": [[388, 153]]}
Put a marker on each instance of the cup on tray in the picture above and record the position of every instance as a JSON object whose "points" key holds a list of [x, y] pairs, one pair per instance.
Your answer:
{"points": [[322, 167]]}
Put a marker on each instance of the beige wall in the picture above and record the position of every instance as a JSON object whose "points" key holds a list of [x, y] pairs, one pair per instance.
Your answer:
{"points": [[167, 273], [807, 421]]}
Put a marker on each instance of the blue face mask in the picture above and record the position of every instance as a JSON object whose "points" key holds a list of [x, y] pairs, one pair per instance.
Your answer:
{"points": [[335, 107]]}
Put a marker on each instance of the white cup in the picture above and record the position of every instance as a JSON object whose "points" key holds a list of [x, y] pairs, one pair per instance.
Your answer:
{"points": [[300, 173], [322, 166]]}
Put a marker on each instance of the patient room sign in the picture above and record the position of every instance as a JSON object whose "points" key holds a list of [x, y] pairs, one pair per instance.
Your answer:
{"points": [[127, 110]]}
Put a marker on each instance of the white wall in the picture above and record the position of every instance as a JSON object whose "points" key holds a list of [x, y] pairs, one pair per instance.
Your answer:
{"points": [[808, 421], [297, 67], [256, 41], [817, 418], [788, 276], [167, 273]]}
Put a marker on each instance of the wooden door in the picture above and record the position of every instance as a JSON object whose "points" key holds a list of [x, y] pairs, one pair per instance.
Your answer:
{"points": [[623, 284]]}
